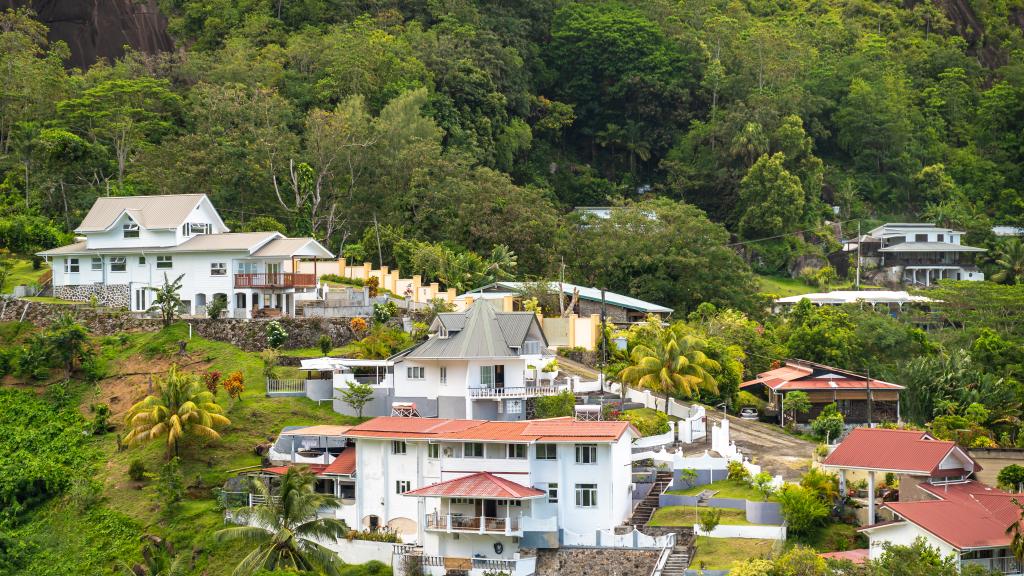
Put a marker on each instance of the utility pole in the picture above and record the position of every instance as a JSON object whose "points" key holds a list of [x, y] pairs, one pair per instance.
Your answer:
{"points": [[604, 340], [869, 397], [856, 282], [380, 257]]}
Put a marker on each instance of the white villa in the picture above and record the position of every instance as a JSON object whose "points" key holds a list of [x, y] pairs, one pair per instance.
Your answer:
{"points": [[129, 244], [921, 254], [477, 364]]}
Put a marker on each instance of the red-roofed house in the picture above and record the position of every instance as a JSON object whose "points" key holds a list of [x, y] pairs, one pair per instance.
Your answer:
{"points": [[860, 399]]}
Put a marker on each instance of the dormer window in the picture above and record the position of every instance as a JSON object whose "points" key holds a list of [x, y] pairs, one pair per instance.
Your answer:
{"points": [[442, 332], [130, 229], [195, 228]]}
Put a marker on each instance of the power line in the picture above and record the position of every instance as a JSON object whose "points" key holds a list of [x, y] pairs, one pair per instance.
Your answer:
{"points": [[790, 233]]}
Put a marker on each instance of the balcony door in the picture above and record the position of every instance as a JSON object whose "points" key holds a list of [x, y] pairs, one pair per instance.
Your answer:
{"points": [[487, 508], [499, 376]]}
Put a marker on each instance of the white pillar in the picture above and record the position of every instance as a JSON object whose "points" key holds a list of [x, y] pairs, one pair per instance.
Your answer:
{"points": [[871, 497]]}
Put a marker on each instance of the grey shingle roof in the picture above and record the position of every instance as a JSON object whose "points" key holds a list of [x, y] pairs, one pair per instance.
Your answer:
{"points": [[478, 333]]}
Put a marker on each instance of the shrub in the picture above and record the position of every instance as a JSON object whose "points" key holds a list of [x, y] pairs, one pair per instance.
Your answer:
{"points": [[383, 312], [1011, 477], [762, 484], [646, 424], [211, 379], [357, 325], [709, 518], [800, 560], [276, 334], [738, 472], [802, 509], [745, 399], [829, 424], [821, 451], [383, 534], [551, 366], [325, 344], [234, 385], [137, 470], [270, 359], [372, 283], [217, 307], [562, 404], [171, 485], [101, 421]]}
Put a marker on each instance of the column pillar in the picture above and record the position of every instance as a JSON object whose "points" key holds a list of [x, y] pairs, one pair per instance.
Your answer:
{"points": [[871, 497], [842, 482]]}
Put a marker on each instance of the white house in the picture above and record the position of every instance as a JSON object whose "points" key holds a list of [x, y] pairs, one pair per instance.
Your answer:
{"points": [[475, 364], [129, 244], [914, 253], [476, 495]]}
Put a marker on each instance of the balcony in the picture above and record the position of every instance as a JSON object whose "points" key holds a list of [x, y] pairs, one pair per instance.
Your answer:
{"points": [[275, 280], [439, 565], [1005, 565], [508, 526], [497, 393]]}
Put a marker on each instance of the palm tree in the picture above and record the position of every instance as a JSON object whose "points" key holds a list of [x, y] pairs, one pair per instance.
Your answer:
{"points": [[672, 365], [1010, 260], [158, 559], [284, 530], [167, 300], [1014, 530], [181, 407], [69, 340]]}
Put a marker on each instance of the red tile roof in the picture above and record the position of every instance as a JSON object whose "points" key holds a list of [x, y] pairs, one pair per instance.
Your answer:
{"points": [[858, 556], [552, 430], [907, 451], [800, 376], [479, 485]]}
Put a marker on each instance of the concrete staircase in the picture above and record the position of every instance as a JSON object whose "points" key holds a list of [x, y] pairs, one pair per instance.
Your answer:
{"points": [[645, 509], [678, 561]]}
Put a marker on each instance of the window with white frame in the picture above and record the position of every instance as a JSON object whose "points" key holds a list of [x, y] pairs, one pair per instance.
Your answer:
{"points": [[444, 374], [586, 495], [511, 503], [473, 450], [194, 228], [118, 263], [546, 452], [71, 266], [517, 451], [402, 486], [398, 447], [553, 492], [415, 372], [130, 229], [164, 261], [586, 453], [142, 260], [218, 268], [531, 347], [97, 263], [433, 451], [487, 376]]}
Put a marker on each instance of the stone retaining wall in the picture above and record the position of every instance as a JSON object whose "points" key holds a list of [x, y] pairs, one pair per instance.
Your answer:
{"points": [[247, 334], [112, 295], [596, 562]]}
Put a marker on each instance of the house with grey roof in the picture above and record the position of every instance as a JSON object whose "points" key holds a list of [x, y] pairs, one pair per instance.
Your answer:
{"points": [[477, 364], [619, 308], [915, 254], [129, 244]]}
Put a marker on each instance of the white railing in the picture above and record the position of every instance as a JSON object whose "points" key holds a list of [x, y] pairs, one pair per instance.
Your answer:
{"points": [[1006, 565], [515, 391], [495, 565], [286, 386], [508, 525]]}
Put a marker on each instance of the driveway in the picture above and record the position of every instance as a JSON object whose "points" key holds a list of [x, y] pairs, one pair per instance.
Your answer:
{"points": [[768, 446]]}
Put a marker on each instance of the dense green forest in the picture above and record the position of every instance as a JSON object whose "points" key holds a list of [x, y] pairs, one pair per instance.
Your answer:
{"points": [[449, 128]]}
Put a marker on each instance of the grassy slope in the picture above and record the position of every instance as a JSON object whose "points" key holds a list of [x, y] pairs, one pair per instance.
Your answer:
{"points": [[723, 489], [22, 273], [685, 516], [91, 543], [720, 553]]}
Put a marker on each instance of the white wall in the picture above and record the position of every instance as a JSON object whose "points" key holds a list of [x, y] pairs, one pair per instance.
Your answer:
{"points": [[758, 532], [361, 551], [902, 534]]}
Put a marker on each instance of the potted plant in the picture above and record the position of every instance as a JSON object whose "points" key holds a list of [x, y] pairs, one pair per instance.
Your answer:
{"points": [[550, 370]]}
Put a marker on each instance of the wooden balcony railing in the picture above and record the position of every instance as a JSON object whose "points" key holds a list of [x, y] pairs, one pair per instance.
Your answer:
{"points": [[274, 280]]}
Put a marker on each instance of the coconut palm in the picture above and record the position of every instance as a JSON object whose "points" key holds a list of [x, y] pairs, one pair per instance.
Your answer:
{"points": [[284, 530], [158, 559], [1010, 261], [181, 407], [1016, 534], [672, 365]]}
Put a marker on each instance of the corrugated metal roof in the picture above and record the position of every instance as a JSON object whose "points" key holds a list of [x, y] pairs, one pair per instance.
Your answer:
{"points": [[290, 247], [159, 212], [344, 464], [452, 321], [592, 294], [514, 326], [908, 451], [229, 242], [479, 485], [526, 431], [481, 337], [930, 247], [801, 375], [319, 430]]}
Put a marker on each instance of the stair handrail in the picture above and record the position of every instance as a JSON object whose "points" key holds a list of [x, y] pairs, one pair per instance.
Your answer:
{"points": [[666, 552]]}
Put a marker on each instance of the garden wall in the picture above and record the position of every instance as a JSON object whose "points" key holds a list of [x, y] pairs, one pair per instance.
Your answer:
{"points": [[756, 512], [589, 561], [245, 333]]}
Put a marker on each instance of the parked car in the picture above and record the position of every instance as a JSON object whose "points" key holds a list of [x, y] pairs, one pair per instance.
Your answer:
{"points": [[748, 413]]}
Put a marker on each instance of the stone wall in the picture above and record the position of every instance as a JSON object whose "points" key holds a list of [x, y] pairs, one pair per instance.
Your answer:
{"points": [[596, 562], [246, 334], [112, 295]]}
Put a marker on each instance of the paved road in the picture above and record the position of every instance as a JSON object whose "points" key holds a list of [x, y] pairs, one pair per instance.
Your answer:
{"points": [[768, 446]]}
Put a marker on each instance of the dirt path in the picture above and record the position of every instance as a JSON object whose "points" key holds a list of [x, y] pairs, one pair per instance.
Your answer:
{"points": [[768, 446]]}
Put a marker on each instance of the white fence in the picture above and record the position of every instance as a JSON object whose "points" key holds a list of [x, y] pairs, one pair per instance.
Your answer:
{"points": [[665, 439], [362, 551], [286, 387], [761, 532], [609, 539], [692, 425], [646, 398]]}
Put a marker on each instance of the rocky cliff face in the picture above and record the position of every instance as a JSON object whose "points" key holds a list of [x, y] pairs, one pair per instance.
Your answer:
{"points": [[95, 29]]}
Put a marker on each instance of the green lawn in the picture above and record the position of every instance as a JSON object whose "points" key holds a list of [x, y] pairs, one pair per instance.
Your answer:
{"points": [[721, 553], [341, 351], [686, 516], [22, 273], [723, 489], [782, 286]]}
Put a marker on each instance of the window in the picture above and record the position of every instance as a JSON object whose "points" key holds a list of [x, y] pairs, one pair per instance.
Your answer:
{"points": [[442, 332], [553, 492], [463, 501], [218, 269], [246, 267], [164, 261], [586, 454], [433, 451], [415, 372], [142, 260], [402, 486], [920, 238], [473, 450], [195, 228], [71, 265], [547, 451], [586, 495], [514, 407], [531, 347], [97, 263], [517, 451], [118, 264], [942, 237], [130, 230], [487, 376], [444, 374], [398, 447]]}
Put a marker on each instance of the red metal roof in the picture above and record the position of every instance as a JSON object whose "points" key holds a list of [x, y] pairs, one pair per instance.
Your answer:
{"points": [[344, 464], [858, 556], [282, 470], [479, 485], [801, 376], [907, 451], [552, 430]]}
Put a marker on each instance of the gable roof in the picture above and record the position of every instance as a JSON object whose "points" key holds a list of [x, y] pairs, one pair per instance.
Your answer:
{"points": [[968, 515], [586, 293], [803, 375], [166, 211], [479, 485], [290, 247], [930, 247], [480, 332], [522, 431], [257, 244], [907, 451]]}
